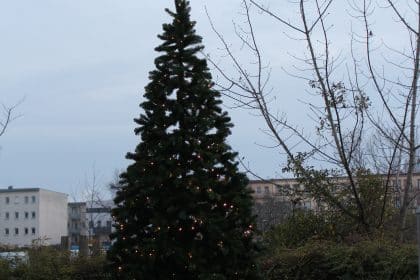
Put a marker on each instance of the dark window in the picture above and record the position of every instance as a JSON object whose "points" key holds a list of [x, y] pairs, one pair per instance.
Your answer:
{"points": [[26, 200], [7, 215], [26, 215], [266, 190], [16, 215], [33, 230], [16, 231], [7, 200], [258, 189], [6, 231], [33, 199], [33, 215], [26, 231]]}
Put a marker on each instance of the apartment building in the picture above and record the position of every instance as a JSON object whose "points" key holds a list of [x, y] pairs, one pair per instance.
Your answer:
{"points": [[283, 190], [289, 190], [77, 222], [32, 214], [100, 221]]}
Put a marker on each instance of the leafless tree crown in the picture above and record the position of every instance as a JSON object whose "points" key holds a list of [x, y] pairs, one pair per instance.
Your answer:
{"points": [[362, 100]]}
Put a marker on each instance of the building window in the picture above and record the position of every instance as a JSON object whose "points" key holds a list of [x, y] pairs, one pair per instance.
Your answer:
{"points": [[7, 215], [26, 215], [33, 199], [258, 189], [26, 231], [6, 231], [16, 231], [33, 215], [266, 190], [7, 200], [17, 215], [26, 200], [108, 224], [99, 224], [33, 231]]}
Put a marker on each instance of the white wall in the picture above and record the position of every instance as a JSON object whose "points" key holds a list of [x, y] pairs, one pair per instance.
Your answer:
{"points": [[17, 204], [52, 216]]}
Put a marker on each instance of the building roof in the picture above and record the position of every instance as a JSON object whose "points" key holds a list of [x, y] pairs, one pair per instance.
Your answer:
{"points": [[275, 180], [12, 190], [18, 190], [77, 203]]}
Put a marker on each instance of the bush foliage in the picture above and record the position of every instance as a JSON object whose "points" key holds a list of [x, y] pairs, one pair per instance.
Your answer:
{"points": [[329, 260], [315, 259], [47, 263], [325, 245]]}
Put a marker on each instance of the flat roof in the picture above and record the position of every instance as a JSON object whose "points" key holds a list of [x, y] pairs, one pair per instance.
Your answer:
{"points": [[76, 203], [400, 175], [18, 190]]}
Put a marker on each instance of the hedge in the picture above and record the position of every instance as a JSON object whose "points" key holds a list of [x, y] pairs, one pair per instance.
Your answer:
{"points": [[327, 260]]}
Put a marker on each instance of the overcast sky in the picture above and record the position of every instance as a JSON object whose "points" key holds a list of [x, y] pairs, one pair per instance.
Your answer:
{"points": [[81, 67]]}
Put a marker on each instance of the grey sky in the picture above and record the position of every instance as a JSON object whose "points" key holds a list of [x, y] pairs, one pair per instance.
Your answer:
{"points": [[82, 66]]}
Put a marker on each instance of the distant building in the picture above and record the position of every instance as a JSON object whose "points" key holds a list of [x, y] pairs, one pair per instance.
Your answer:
{"points": [[290, 190], [77, 222], [99, 219], [28, 215], [283, 190]]}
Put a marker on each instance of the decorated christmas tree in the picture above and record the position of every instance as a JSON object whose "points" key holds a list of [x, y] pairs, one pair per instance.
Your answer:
{"points": [[183, 210]]}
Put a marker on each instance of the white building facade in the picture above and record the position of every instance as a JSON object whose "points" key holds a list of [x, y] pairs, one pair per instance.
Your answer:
{"points": [[28, 215]]}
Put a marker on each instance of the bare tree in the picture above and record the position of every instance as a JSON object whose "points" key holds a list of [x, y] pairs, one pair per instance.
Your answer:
{"points": [[7, 115], [400, 127], [344, 109], [94, 196]]}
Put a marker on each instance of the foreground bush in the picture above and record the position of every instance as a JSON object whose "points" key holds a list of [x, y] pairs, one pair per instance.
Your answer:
{"points": [[47, 263], [327, 260]]}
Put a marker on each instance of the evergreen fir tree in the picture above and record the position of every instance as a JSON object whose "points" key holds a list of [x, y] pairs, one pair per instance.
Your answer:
{"points": [[184, 210]]}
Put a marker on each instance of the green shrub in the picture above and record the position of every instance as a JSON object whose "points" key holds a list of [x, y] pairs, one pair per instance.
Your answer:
{"points": [[48, 263], [5, 270], [327, 260], [89, 268]]}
